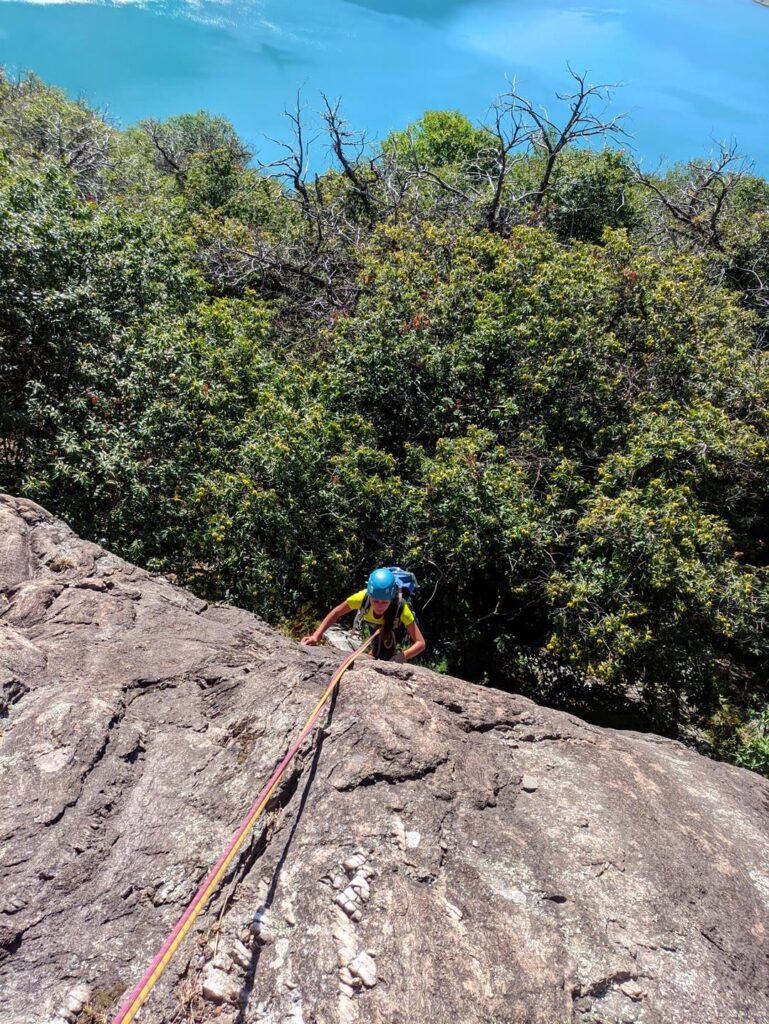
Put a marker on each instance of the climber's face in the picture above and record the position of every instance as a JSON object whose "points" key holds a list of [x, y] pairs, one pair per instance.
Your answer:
{"points": [[379, 607]]}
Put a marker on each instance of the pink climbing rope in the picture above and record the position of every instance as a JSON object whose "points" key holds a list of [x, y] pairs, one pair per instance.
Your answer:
{"points": [[144, 986]]}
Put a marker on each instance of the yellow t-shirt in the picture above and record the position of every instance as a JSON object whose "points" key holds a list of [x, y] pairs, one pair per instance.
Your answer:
{"points": [[356, 601]]}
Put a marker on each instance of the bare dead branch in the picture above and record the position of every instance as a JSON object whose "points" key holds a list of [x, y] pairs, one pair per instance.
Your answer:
{"points": [[696, 205], [348, 147], [539, 132], [294, 165]]}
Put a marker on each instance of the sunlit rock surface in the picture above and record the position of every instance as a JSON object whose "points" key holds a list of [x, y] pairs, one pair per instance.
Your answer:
{"points": [[440, 852]]}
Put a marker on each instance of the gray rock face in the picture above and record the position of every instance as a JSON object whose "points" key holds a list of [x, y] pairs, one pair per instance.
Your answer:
{"points": [[439, 852]]}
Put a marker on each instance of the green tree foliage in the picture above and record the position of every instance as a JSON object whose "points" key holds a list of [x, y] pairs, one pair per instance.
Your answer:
{"points": [[716, 208], [624, 412], [551, 404], [594, 191], [41, 123], [741, 735], [212, 180], [439, 138], [77, 281], [177, 142]]}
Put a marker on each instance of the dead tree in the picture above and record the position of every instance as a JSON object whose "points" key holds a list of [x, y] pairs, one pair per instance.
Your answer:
{"points": [[349, 147], [542, 134], [696, 204], [292, 168], [493, 169], [317, 262], [697, 213], [515, 131]]}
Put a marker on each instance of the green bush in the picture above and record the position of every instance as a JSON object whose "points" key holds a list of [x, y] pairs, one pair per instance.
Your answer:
{"points": [[561, 427]]}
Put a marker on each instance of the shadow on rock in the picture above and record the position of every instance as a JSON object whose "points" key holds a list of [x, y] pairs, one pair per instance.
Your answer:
{"points": [[259, 946]]}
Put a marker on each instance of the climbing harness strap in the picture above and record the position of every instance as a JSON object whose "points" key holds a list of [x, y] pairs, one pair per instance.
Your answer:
{"points": [[357, 623], [143, 988]]}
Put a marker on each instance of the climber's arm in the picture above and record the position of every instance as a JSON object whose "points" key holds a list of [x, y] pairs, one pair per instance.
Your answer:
{"points": [[333, 616], [417, 646]]}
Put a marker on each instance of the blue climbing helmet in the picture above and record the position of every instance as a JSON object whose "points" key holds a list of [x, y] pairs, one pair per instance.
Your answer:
{"points": [[385, 584], [382, 585]]}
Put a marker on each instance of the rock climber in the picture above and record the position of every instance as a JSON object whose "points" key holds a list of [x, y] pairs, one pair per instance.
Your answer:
{"points": [[381, 605]]}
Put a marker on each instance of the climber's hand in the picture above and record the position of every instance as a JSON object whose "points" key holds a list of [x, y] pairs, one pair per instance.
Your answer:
{"points": [[399, 659], [311, 641]]}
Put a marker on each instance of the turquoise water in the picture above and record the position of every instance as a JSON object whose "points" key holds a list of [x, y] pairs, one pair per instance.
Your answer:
{"points": [[694, 71]]}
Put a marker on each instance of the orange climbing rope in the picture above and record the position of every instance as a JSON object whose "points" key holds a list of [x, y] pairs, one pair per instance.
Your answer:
{"points": [[145, 985]]}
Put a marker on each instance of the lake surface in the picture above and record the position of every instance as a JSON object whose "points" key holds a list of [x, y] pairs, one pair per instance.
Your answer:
{"points": [[693, 71]]}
